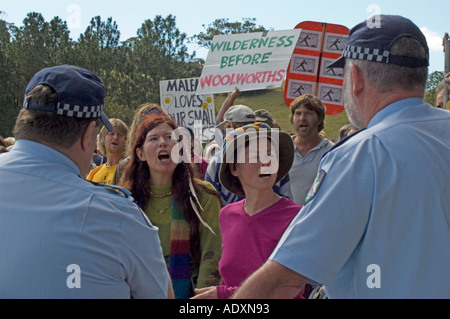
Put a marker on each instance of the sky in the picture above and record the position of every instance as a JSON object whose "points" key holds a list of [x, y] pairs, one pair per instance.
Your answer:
{"points": [[192, 16]]}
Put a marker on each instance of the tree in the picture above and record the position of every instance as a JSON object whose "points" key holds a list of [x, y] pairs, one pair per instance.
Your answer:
{"points": [[6, 98], [432, 83], [158, 53], [96, 46], [58, 43], [223, 26], [24, 51]]}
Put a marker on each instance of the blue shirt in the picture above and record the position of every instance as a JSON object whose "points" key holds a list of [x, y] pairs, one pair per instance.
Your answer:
{"points": [[304, 170], [377, 225], [64, 237]]}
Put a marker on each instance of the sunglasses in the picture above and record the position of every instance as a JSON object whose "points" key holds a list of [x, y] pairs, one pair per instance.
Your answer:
{"points": [[147, 112]]}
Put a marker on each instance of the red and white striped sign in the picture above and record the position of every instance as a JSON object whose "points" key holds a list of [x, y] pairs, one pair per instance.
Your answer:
{"points": [[319, 44]]}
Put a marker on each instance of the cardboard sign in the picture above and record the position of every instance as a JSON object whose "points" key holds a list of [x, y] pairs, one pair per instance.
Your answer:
{"points": [[319, 45], [189, 109], [249, 61]]}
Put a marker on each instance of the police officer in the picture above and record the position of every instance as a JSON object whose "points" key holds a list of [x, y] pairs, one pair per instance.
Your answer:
{"points": [[376, 221], [60, 235]]}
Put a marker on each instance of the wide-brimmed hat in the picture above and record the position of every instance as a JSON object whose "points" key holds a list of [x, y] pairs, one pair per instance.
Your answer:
{"points": [[374, 42], [281, 142]]}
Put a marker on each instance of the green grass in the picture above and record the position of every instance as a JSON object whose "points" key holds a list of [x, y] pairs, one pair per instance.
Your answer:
{"points": [[273, 101]]}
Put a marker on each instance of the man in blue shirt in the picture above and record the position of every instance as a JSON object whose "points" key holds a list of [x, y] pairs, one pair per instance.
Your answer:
{"points": [[60, 235], [307, 118], [376, 221]]}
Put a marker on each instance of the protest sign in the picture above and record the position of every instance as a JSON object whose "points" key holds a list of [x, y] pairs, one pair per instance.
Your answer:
{"points": [[319, 44], [189, 109], [249, 61]]}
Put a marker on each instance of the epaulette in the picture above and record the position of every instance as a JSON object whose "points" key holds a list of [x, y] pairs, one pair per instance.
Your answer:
{"points": [[114, 189]]}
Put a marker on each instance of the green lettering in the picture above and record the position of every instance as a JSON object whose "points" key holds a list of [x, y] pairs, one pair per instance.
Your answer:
{"points": [[289, 41], [247, 59], [253, 43], [238, 58], [266, 56], [256, 58], [281, 41], [217, 46], [263, 42], [244, 44], [231, 60], [272, 41], [224, 62]]}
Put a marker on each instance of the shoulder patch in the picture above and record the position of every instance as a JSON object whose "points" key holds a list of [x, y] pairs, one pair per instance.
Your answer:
{"points": [[315, 186], [114, 189]]}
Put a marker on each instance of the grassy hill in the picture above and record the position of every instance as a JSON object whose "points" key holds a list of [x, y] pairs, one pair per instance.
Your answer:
{"points": [[273, 101]]}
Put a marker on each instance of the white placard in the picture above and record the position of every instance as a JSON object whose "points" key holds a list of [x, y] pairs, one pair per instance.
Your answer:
{"points": [[189, 109], [249, 61]]}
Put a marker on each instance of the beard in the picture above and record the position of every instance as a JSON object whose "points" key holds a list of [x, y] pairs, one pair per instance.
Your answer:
{"points": [[353, 113], [312, 129]]}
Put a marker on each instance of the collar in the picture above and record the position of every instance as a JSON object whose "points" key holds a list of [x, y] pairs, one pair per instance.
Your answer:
{"points": [[34, 152], [321, 144], [394, 108]]}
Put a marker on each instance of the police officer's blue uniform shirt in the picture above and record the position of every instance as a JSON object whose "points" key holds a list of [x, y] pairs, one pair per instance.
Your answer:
{"points": [[64, 237], [377, 223]]}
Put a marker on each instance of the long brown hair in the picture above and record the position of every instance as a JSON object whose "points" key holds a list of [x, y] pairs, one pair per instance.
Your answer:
{"points": [[136, 178]]}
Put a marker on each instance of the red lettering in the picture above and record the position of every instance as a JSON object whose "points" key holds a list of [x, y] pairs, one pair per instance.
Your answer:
{"points": [[241, 78], [280, 74], [257, 77], [206, 80], [225, 80], [216, 80], [248, 81]]}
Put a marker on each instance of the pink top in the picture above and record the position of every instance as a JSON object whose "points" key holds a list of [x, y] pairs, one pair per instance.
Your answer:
{"points": [[202, 164], [248, 241]]}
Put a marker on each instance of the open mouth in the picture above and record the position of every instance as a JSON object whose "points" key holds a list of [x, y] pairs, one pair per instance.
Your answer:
{"points": [[163, 156], [264, 175]]}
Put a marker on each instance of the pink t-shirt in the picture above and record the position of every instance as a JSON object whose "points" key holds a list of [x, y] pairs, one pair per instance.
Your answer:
{"points": [[248, 241]]}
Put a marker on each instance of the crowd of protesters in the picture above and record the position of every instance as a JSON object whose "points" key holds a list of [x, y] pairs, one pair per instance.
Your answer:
{"points": [[97, 208]]}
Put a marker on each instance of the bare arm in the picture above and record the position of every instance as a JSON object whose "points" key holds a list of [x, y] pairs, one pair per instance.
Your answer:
{"points": [[271, 281], [170, 293], [229, 101]]}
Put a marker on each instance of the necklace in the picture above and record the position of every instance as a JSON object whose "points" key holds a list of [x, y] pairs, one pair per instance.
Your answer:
{"points": [[161, 195], [160, 210]]}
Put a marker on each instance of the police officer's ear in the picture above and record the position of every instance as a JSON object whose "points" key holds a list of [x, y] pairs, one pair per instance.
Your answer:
{"points": [[358, 80], [89, 137]]}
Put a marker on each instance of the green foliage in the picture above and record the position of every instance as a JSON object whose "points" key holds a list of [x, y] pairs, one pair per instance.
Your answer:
{"points": [[131, 70], [432, 83], [223, 26]]}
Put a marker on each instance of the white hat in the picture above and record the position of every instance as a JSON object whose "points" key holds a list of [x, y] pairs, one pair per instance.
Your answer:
{"points": [[238, 114]]}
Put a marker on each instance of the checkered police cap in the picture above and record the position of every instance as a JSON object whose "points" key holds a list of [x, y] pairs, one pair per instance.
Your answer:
{"points": [[373, 42], [80, 93]]}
